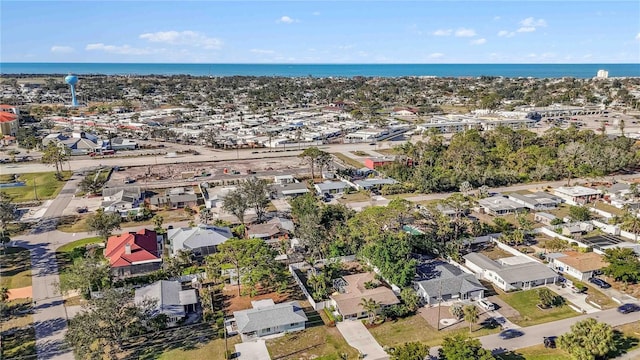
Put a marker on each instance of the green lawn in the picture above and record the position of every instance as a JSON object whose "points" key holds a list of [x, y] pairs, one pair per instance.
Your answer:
{"points": [[348, 161], [18, 333], [82, 242], [15, 269], [416, 328], [213, 349], [47, 186], [526, 303], [313, 343], [354, 197], [66, 254]]}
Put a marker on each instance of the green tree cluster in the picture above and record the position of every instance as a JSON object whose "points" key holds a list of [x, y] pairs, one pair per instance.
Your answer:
{"points": [[588, 340]]}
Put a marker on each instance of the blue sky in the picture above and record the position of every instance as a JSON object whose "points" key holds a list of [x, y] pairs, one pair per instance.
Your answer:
{"points": [[321, 31]]}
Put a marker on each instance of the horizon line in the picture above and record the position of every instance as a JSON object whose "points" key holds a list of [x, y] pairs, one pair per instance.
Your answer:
{"points": [[328, 63]]}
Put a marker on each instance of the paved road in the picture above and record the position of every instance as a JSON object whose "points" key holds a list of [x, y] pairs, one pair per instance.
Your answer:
{"points": [[534, 335], [49, 319]]}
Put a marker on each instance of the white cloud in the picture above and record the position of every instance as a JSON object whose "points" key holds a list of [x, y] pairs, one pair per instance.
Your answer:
{"points": [[531, 22], [262, 51], [505, 33], [316, 13], [526, 29], [185, 38], [638, 36], [115, 49], [496, 18], [462, 32], [287, 20], [60, 49], [345, 47], [435, 56], [442, 32], [478, 41]]}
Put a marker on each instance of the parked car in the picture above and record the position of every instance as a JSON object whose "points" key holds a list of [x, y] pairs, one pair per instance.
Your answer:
{"points": [[487, 305], [510, 334], [628, 308], [550, 342], [600, 283]]}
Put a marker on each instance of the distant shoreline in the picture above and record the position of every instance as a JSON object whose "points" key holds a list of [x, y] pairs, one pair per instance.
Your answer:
{"points": [[584, 71]]}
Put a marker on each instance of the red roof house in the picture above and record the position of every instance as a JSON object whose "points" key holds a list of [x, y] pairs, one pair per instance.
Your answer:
{"points": [[134, 253]]}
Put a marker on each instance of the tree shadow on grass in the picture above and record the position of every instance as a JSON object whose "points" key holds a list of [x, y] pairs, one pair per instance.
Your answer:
{"points": [[509, 355], [623, 344], [185, 338]]}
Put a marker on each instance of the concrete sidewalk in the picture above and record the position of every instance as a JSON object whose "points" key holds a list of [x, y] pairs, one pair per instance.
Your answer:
{"points": [[357, 335], [579, 300]]}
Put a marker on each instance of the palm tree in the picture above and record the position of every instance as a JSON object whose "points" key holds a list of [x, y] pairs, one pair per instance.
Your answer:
{"points": [[631, 222], [546, 297], [471, 315], [371, 307]]}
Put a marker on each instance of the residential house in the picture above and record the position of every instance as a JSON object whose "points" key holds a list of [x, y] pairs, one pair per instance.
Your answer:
{"points": [[201, 240], [288, 190], [176, 198], [578, 195], [370, 184], [537, 201], [441, 280], [499, 205], [517, 272], [576, 229], [376, 162], [171, 300], [331, 187], [121, 200], [272, 231], [349, 297], [134, 253], [544, 218], [581, 266], [119, 143], [267, 318], [80, 143], [284, 179]]}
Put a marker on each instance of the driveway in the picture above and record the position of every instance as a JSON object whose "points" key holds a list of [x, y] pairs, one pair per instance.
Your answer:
{"points": [[579, 300], [357, 335]]}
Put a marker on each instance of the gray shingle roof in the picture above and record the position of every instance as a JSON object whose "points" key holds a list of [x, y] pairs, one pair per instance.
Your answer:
{"points": [[272, 316], [482, 261], [170, 297], [526, 272], [449, 280], [196, 237]]}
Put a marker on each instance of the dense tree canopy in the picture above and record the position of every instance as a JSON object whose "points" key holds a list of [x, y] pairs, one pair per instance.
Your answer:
{"points": [[461, 347], [588, 340], [623, 265], [504, 156], [103, 223], [410, 351]]}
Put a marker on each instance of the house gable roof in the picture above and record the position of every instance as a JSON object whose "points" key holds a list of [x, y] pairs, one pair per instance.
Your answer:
{"points": [[197, 237], [583, 261], [169, 295], [446, 279], [269, 316], [143, 244]]}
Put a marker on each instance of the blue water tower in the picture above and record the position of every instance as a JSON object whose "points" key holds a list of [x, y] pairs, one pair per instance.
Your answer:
{"points": [[72, 80]]}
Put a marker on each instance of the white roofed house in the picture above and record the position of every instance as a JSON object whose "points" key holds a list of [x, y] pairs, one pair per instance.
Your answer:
{"points": [[331, 187], [368, 184], [267, 318], [170, 299], [537, 201], [499, 205], [201, 240], [512, 273], [578, 195]]}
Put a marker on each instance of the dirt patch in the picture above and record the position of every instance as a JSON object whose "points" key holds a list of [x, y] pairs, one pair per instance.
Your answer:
{"points": [[233, 302], [21, 293]]}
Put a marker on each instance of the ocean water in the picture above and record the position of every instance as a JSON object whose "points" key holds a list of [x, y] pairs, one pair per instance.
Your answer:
{"points": [[327, 70]]}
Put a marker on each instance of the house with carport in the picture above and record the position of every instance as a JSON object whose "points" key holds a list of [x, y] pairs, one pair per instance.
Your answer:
{"points": [[511, 273], [581, 266], [267, 318]]}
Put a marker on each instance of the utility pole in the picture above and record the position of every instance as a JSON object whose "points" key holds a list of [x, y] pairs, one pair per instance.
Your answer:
{"points": [[35, 193], [439, 303]]}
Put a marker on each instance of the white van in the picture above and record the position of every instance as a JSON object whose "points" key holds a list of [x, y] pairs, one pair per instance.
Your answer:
{"points": [[487, 305]]}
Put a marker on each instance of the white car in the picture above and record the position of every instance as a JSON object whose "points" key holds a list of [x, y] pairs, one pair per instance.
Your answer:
{"points": [[487, 305]]}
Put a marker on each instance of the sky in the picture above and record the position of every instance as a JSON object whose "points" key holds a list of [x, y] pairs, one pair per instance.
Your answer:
{"points": [[313, 32]]}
